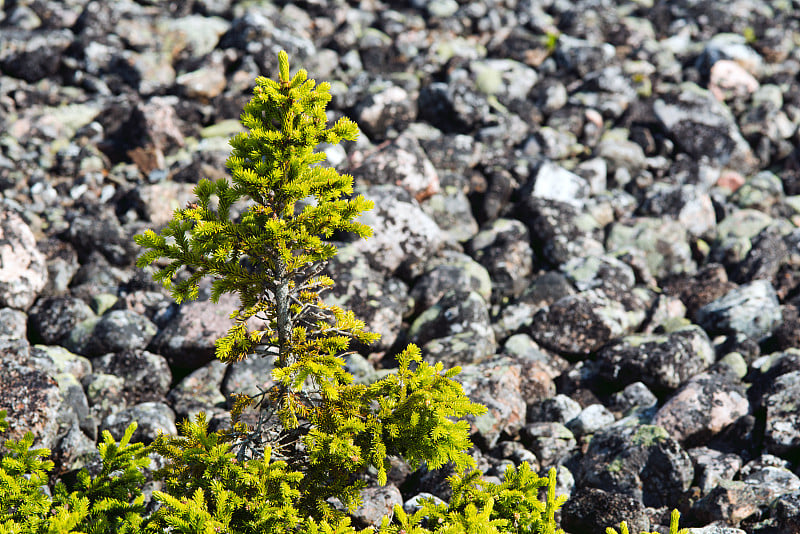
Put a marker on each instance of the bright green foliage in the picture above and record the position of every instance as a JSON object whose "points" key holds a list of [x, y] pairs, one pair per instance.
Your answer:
{"points": [[207, 490], [478, 506], [110, 502], [673, 526]]}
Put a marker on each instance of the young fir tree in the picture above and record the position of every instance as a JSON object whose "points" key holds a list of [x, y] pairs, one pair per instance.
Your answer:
{"points": [[315, 419]]}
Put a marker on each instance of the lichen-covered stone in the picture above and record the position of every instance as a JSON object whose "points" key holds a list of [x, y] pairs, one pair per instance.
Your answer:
{"points": [[120, 331], [497, 384], [502, 247], [782, 401], [592, 509], [751, 309], [704, 127], [404, 237], [455, 313], [641, 461], [22, 267], [664, 242], [550, 441], [702, 407], [661, 361], [580, 324]]}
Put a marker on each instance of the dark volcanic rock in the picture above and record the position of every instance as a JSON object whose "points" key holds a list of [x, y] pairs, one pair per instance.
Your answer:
{"points": [[580, 324], [592, 509], [661, 361], [640, 461]]}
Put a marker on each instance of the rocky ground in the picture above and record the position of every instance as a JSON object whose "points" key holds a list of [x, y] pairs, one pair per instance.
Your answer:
{"points": [[591, 206]]}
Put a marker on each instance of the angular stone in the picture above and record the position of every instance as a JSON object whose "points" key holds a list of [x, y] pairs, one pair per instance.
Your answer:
{"points": [[703, 407], [661, 361], [751, 309], [629, 458], [580, 324], [23, 273]]}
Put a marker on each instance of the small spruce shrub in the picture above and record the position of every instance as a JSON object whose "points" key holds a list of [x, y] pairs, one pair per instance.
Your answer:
{"points": [[295, 457]]}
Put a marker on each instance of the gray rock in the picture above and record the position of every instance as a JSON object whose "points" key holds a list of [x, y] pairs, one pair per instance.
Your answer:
{"points": [[687, 203], [583, 56], [716, 529], [33, 55], [187, 340], [384, 110], [505, 79], [557, 183], [453, 270], [157, 202], [31, 399], [62, 264], [402, 163], [561, 231], [633, 397], [23, 274], [459, 349], [199, 391], [551, 442], [761, 191], [379, 301], [523, 347], [661, 361], [75, 450], [120, 331], [592, 509], [621, 153], [451, 210], [455, 107], [580, 324], [711, 467], [786, 512], [13, 323], [751, 309], [663, 241], [704, 127], [734, 235], [378, 501], [68, 370], [502, 247], [404, 237], [771, 482], [204, 83], [152, 418], [146, 376], [605, 273], [497, 384], [591, 419], [103, 234], [455, 313], [730, 501], [703, 407], [782, 434], [608, 90], [249, 376], [640, 461], [557, 409]]}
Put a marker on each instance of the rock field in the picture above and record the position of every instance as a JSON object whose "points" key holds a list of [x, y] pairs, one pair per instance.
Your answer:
{"points": [[592, 206]]}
